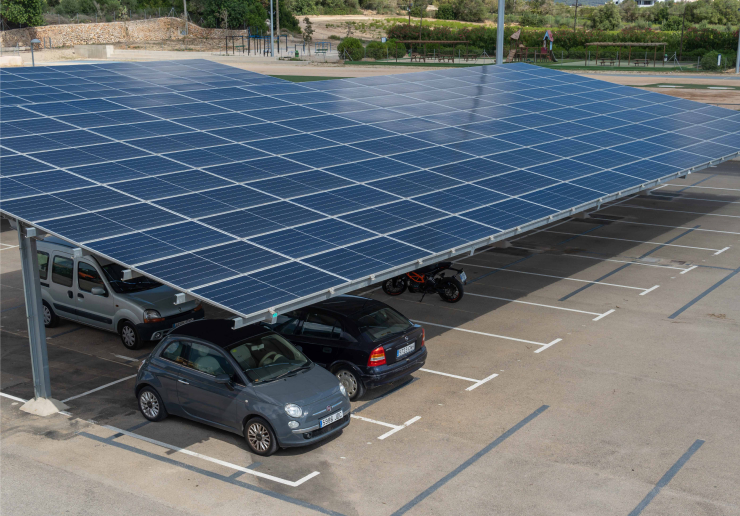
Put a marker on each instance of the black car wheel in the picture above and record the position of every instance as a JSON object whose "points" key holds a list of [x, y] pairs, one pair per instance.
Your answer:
{"points": [[394, 286], [260, 437], [50, 318], [352, 384], [451, 290], [129, 336], [151, 405]]}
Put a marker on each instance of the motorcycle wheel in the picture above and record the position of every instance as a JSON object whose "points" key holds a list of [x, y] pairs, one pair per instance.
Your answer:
{"points": [[451, 290], [394, 286]]}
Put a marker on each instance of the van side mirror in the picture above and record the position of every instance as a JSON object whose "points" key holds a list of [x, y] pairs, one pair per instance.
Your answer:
{"points": [[98, 291]]}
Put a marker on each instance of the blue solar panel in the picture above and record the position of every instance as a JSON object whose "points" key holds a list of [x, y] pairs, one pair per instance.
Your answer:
{"points": [[250, 191]]}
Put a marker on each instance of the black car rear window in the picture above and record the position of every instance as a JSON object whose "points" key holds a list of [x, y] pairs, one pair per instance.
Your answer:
{"points": [[383, 323]]}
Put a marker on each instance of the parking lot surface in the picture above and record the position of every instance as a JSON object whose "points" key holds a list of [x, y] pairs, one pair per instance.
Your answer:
{"points": [[591, 368]]}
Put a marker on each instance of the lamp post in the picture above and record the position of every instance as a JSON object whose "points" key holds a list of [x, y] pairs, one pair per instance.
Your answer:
{"points": [[272, 32], [500, 33], [33, 42], [737, 61], [683, 21], [575, 22], [408, 8], [185, 16]]}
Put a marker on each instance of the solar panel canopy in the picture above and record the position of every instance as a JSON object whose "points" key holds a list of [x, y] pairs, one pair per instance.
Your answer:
{"points": [[257, 194]]}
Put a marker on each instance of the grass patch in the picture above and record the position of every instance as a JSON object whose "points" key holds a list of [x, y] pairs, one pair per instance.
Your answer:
{"points": [[306, 78], [406, 63]]}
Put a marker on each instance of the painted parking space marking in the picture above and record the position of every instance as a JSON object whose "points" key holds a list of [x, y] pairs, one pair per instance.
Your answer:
{"points": [[125, 358], [689, 269], [592, 282], [603, 315], [4, 247], [542, 344], [394, 428], [14, 398], [600, 316], [99, 388], [214, 460], [649, 290], [705, 187], [665, 479], [476, 383], [682, 198], [399, 428], [682, 211], [722, 250], [665, 226], [631, 262], [641, 241]]}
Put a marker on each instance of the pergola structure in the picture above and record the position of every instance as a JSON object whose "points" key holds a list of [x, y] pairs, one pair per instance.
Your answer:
{"points": [[629, 51]]}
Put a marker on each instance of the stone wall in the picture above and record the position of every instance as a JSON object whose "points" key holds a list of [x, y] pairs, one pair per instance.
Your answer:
{"points": [[158, 29]]}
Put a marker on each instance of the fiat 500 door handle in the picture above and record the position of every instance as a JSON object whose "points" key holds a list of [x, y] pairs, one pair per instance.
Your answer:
{"points": [[183, 381]]}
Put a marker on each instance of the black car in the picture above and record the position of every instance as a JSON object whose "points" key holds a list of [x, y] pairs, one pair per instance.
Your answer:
{"points": [[364, 342]]}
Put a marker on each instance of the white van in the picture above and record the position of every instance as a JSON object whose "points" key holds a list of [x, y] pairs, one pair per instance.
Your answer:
{"points": [[90, 290]]}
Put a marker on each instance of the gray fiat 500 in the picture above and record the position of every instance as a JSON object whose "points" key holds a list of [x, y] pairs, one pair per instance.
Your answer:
{"points": [[249, 381]]}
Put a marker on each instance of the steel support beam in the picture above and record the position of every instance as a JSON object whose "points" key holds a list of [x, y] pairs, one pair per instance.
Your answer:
{"points": [[42, 404]]}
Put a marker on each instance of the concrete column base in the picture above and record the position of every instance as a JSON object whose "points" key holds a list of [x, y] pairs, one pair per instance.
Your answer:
{"points": [[43, 406]]}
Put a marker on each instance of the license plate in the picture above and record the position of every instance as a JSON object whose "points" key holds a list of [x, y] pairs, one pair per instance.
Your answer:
{"points": [[331, 419], [463, 278], [405, 350], [178, 324]]}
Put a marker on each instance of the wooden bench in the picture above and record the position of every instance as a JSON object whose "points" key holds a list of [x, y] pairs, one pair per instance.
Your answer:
{"points": [[643, 62], [611, 62], [418, 57]]}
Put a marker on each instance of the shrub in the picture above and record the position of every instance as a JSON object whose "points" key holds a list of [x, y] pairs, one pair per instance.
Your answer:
{"points": [[671, 24], [445, 12], [709, 61], [376, 50], [353, 47], [334, 36]]}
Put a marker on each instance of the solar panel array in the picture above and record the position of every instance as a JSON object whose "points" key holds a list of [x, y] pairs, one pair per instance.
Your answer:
{"points": [[251, 192]]}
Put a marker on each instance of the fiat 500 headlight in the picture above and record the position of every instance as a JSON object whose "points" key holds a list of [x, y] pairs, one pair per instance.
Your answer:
{"points": [[293, 410]]}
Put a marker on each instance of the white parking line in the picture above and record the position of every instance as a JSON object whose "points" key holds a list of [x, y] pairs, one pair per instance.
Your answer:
{"points": [[490, 334], [544, 306], [689, 269], [213, 460], [681, 211], [125, 358], [395, 428], [665, 226], [603, 315], [625, 261], [3, 247], [12, 397], [705, 187], [682, 198], [476, 383], [636, 241], [99, 388], [649, 290], [551, 276], [399, 428], [368, 420], [722, 250], [544, 347]]}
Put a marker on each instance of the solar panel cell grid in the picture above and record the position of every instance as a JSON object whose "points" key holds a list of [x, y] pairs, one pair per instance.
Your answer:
{"points": [[327, 166]]}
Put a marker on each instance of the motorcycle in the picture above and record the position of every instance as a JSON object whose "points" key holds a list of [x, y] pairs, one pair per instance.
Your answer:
{"points": [[429, 279]]}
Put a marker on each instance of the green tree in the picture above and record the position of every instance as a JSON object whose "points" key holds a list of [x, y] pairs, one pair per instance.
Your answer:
{"points": [[607, 17], [240, 12], [26, 12], [470, 10], [308, 30]]}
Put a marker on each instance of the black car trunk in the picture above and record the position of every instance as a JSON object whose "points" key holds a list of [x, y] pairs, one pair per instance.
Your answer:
{"points": [[402, 343]]}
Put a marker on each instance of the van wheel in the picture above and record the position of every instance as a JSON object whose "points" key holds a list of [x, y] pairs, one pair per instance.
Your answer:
{"points": [[50, 318], [129, 336], [260, 437]]}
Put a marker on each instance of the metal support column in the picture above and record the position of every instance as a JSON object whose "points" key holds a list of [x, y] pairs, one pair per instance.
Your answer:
{"points": [[42, 404], [272, 32], [500, 33]]}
